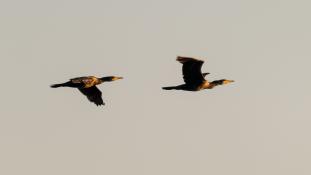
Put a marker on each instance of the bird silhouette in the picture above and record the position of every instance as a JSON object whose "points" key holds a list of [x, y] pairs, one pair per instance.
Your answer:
{"points": [[87, 86], [193, 77]]}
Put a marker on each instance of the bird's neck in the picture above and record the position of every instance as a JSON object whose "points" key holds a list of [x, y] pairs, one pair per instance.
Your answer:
{"points": [[211, 85], [105, 79], [215, 83]]}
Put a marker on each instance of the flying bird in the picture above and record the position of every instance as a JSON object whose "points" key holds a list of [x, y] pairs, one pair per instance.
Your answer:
{"points": [[87, 86], [193, 77]]}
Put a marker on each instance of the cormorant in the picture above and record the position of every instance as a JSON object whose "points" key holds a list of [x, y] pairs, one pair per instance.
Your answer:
{"points": [[193, 77], [87, 86]]}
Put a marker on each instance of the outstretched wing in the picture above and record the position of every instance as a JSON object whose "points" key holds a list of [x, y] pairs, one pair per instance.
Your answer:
{"points": [[192, 70], [93, 94]]}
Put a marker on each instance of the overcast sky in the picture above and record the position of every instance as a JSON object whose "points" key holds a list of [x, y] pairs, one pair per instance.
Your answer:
{"points": [[259, 125]]}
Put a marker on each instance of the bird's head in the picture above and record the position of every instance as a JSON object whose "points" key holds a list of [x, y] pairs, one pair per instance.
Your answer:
{"points": [[110, 78]]}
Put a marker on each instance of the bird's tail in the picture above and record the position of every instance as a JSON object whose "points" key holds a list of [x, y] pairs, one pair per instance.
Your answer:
{"points": [[66, 84], [57, 85], [169, 88]]}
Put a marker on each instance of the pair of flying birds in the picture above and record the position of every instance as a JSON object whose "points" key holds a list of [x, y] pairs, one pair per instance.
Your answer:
{"points": [[193, 77]]}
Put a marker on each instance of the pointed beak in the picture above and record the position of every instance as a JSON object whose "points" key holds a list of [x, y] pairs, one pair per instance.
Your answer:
{"points": [[228, 81], [117, 78]]}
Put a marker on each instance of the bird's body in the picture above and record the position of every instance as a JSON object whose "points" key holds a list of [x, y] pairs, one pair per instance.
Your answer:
{"points": [[87, 82], [87, 86], [193, 77]]}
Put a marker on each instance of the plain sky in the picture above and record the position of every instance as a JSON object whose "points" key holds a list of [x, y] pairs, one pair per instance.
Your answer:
{"points": [[259, 125]]}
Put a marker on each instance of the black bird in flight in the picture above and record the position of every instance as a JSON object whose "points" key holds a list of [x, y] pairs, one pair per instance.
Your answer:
{"points": [[87, 86], [193, 77]]}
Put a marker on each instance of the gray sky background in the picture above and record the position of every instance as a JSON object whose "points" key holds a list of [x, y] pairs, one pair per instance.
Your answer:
{"points": [[259, 125]]}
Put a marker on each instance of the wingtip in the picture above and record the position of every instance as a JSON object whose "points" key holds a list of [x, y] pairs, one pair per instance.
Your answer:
{"points": [[182, 59], [100, 104]]}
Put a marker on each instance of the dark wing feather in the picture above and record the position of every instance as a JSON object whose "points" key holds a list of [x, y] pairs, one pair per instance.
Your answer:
{"points": [[192, 70], [83, 81], [78, 82], [93, 94], [79, 79]]}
